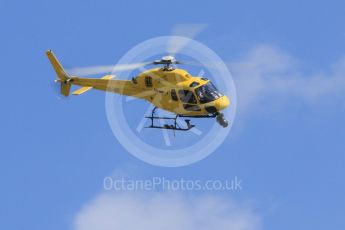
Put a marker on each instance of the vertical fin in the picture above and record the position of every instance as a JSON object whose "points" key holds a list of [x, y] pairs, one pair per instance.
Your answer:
{"points": [[61, 73], [64, 78]]}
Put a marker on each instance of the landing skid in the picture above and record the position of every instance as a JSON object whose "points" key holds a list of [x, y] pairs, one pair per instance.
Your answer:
{"points": [[219, 118], [175, 126]]}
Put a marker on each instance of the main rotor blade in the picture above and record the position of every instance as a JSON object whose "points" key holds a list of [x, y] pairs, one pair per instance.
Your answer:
{"points": [[202, 65], [85, 71], [183, 30]]}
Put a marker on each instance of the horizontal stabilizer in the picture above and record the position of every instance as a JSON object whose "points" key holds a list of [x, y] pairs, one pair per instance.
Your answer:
{"points": [[108, 77], [82, 90]]}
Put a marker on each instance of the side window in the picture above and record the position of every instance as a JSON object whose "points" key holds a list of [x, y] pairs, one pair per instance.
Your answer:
{"points": [[173, 95], [194, 83], [187, 96], [148, 81]]}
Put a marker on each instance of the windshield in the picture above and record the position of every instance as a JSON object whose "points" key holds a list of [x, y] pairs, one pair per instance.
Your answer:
{"points": [[207, 93]]}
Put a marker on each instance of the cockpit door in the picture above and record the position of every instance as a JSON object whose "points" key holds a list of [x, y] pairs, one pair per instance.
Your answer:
{"points": [[189, 100]]}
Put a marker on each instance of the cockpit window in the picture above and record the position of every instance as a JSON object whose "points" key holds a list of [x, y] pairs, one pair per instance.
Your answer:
{"points": [[207, 93], [187, 96]]}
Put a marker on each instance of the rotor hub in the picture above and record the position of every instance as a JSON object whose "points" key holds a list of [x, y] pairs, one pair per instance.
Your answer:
{"points": [[168, 59]]}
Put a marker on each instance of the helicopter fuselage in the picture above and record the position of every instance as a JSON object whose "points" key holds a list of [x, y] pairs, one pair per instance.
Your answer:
{"points": [[173, 90]]}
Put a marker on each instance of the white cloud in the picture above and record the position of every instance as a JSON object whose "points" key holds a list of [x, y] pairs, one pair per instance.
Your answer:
{"points": [[168, 211], [267, 76]]}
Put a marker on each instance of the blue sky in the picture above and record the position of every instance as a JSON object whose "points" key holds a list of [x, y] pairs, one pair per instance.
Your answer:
{"points": [[287, 143]]}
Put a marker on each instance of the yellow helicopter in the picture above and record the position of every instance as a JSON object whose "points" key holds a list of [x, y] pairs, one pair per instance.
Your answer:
{"points": [[167, 88]]}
